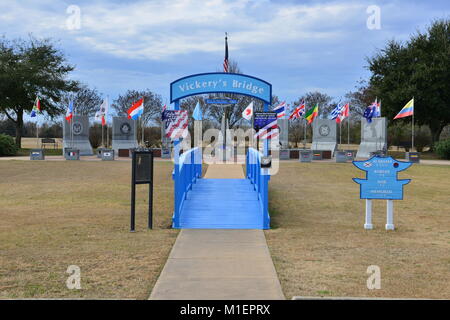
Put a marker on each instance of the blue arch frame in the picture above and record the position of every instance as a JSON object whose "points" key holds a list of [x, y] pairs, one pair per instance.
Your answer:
{"points": [[266, 97]]}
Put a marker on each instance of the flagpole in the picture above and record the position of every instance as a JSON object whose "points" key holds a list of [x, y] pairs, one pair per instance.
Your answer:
{"points": [[70, 123], [37, 134], [106, 120], [348, 131], [340, 133], [103, 140], [142, 123], [412, 124]]}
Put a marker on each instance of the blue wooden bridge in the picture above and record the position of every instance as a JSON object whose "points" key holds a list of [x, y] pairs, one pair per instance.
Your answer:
{"points": [[220, 203]]}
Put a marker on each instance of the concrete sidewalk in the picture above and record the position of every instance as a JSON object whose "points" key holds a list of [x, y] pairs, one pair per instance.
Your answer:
{"points": [[218, 264], [224, 171]]}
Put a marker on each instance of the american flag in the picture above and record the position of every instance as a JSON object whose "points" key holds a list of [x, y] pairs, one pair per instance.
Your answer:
{"points": [[176, 123], [280, 109], [225, 61], [267, 127], [298, 111]]}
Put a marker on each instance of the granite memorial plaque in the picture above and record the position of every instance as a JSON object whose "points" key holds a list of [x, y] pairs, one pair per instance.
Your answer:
{"points": [[324, 135], [124, 135], [373, 137], [76, 135]]}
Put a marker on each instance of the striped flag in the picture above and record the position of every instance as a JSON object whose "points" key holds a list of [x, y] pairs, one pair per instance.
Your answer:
{"points": [[298, 111], [311, 114], [280, 110], [136, 110], [336, 111], [408, 110], [225, 60], [269, 131], [176, 123], [69, 112]]}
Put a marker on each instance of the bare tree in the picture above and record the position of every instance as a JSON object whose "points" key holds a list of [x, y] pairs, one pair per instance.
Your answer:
{"points": [[152, 104], [316, 97], [86, 100]]}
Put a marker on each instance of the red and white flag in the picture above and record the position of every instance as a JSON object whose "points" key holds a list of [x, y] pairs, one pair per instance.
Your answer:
{"points": [[248, 112], [269, 131], [176, 123], [280, 109], [101, 114], [345, 111], [298, 111]]}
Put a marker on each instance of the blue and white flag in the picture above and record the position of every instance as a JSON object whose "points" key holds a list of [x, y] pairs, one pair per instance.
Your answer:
{"points": [[336, 111], [377, 105], [197, 115]]}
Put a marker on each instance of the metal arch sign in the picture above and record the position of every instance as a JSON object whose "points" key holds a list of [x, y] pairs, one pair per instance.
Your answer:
{"points": [[220, 82], [381, 178]]}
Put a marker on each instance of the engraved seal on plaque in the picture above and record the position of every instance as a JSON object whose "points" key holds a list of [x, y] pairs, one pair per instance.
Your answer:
{"points": [[77, 128], [125, 128], [324, 130]]}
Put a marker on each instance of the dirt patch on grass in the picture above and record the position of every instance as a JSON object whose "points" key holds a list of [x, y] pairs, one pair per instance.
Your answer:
{"points": [[56, 214], [319, 246]]}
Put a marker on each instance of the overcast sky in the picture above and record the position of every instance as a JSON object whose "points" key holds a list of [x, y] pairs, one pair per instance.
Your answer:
{"points": [[298, 46]]}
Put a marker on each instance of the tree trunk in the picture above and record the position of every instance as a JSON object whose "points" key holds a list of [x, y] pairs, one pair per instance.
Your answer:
{"points": [[19, 126], [435, 134]]}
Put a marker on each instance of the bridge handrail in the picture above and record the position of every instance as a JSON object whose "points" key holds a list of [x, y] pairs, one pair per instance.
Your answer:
{"points": [[260, 180], [185, 174]]}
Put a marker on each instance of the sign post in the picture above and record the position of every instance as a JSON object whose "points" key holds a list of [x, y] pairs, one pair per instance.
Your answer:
{"points": [[381, 183], [141, 173]]}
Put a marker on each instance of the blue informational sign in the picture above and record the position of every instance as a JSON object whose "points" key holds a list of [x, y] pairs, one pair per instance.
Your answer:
{"points": [[264, 119], [220, 82], [381, 178]]}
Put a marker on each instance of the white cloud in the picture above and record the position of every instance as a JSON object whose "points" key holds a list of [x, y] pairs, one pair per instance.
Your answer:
{"points": [[162, 29]]}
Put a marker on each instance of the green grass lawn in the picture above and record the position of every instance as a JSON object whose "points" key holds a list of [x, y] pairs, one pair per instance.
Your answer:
{"points": [[60, 213], [319, 246]]}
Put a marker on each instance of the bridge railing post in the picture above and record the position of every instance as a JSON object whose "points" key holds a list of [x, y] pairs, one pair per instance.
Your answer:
{"points": [[188, 168], [259, 177]]}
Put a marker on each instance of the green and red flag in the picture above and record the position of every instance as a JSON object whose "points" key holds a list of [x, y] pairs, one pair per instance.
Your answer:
{"points": [[312, 113]]}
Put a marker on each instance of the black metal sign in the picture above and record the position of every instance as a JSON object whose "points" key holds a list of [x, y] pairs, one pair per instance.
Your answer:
{"points": [[142, 173]]}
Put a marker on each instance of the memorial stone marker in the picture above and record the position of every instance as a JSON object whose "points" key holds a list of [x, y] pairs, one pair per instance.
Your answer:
{"points": [[305, 156], [71, 154], [317, 155], [76, 135], [124, 135], [107, 154], [373, 137], [37, 154], [341, 156], [324, 135]]}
